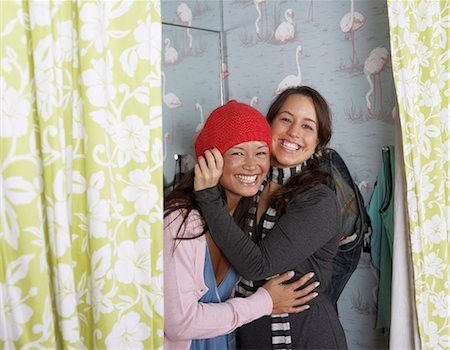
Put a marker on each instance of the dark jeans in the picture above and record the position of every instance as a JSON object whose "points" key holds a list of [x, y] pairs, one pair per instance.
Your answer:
{"points": [[344, 264]]}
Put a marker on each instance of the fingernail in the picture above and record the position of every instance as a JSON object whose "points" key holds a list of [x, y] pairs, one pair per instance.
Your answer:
{"points": [[307, 307], [315, 295], [291, 273], [311, 274], [317, 284]]}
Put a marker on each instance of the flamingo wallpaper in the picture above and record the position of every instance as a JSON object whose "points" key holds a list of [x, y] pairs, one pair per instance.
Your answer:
{"points": [[339, 47], [191, 89]]}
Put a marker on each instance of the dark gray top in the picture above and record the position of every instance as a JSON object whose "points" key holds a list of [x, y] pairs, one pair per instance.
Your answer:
{"points": [[305, 238]]}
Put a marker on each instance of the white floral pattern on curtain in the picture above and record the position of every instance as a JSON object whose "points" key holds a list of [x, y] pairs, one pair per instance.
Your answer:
{"points": [[420, 61], [81, 175]]}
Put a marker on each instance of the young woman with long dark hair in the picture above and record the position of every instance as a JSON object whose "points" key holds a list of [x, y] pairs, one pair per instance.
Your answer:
{"points": [[295, 224], [198, 278]]}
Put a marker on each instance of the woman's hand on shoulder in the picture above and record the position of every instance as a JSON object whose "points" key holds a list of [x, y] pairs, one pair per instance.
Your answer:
{"points": [[289, 298], [208, 169]]}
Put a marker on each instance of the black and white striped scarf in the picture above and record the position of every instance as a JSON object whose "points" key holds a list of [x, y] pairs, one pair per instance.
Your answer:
{"points": [[280, 325]]}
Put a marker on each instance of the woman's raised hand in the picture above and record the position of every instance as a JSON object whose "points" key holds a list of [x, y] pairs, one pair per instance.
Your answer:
{"points": [[208, 169], [288, 298]]}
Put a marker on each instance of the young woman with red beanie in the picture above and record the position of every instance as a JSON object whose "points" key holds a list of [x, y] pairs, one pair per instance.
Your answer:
{"points": [[295, 224], [198, 279]]}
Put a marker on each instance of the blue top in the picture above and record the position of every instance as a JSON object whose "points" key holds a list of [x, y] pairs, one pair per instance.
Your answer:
{"points": [[216, 294]]}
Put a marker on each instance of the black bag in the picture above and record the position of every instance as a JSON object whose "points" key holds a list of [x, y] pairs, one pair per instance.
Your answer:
{"points": [[355, 222]]}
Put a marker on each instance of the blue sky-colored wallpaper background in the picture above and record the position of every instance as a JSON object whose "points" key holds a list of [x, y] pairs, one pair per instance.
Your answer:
{"points": [[260, 50]]}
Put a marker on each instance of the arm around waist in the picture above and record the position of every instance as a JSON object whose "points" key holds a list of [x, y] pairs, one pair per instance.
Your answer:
{"points": [[185, 317]]}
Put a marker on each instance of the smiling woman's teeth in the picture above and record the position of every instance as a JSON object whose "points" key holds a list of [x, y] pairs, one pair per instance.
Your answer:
{"points": [[290, 146], [246, 179]]}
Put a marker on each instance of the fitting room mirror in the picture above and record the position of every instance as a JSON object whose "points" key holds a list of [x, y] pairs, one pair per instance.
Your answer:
{"points": [[188, 98]]}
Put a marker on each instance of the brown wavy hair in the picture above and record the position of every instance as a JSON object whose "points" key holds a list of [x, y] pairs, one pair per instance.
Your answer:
{"points": [[182, 198], [312, 173]]}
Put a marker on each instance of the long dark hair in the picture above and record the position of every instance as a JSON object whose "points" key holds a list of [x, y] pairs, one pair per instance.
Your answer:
{"points": [[312, 172], [182, 199]]}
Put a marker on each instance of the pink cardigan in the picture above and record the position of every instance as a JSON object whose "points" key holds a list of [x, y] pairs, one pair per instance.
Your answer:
{"points": [[184, 317]]}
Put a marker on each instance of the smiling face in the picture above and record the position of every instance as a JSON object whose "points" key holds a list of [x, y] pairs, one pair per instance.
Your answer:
{"points": [[244, 168], [295, 132]]}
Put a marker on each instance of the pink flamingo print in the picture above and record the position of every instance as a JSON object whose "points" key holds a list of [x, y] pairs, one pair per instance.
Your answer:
{"points": [[350, 23], [225, 72], [166, 136], [286, 30], [184, 14], [262, 18], [374, 64], [364, 186], [254, 101], [199, 127], [170, 99], [189, 36], [291, 80], [170, 53]]}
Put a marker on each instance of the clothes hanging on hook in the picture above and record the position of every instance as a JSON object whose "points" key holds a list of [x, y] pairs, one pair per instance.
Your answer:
{"points": [[380, 210]]}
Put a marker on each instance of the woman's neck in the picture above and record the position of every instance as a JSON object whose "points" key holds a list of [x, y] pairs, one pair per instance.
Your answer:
{"points": [[264, 198], [273, 186], [232, 202]]}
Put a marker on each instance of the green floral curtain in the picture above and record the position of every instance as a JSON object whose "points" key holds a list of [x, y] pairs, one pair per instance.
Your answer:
{"points": [[81, 175], [420, 61]]}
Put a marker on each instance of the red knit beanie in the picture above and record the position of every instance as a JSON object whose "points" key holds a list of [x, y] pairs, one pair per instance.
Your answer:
{"points": [[232, 124]]}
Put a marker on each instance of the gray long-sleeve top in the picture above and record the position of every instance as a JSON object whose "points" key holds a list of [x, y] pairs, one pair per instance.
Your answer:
{"points": [[304, 238]]}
